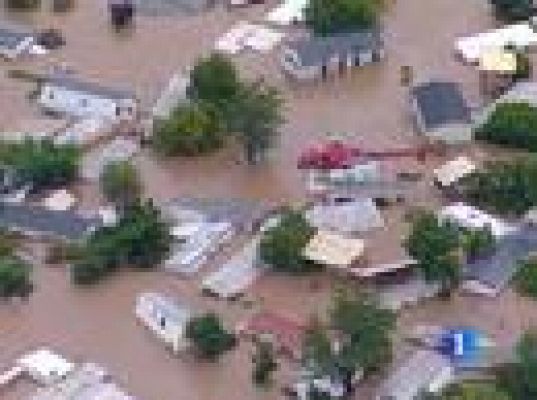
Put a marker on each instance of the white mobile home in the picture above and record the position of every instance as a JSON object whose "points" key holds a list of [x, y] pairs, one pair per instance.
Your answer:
{"points": [[66, 95], [165, 318], [441, 112], [15, 43]]}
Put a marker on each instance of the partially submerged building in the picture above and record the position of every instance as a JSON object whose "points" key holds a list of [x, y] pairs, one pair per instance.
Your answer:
{"points": [[166, 318], [45, 367], [454, 170], [316, 57], [423, 371], [14, 43], [441, 112], [68, 95]]}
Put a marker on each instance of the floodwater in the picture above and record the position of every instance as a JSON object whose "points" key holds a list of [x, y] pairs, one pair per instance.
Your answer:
{"points": [[370, 107]]}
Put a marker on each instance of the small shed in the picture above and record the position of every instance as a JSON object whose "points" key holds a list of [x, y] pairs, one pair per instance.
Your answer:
{"points": [[452, 171], [165, 317], [441, 112], [424, 370], [45, 367], [335, 250], [313, 58]]}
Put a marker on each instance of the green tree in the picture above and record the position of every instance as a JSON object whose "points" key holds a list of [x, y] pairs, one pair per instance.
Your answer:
{"points": [[317, 350], [366, 330], [41, 163], [328, 17], [214, 80], [192, 129], [14, 278], [120, 183], [504, 188], [477, 242], [434, 244], [264, 363], [255, 114], [511, 124], [512, 10], [141, 239], [518, 378], [526, 279], [281, 247], [208, 336]]}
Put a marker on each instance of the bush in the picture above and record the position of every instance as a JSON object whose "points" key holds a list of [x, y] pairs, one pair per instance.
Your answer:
{"points": [[208, 336], [120, 183], [327, 17], [191, 130], [282, 246], [14, 278], [511, 124]]}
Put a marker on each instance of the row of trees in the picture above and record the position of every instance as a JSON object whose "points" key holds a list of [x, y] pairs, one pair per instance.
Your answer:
{"points": [[328, 17], [511, 124], [439, 248], [508, 188], [221, 108]]}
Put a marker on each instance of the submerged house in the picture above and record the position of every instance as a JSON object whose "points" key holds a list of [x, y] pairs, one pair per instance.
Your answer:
{"points": [[316, 57], [14, 43], [166, 318], [441, 112], [66, 95]]}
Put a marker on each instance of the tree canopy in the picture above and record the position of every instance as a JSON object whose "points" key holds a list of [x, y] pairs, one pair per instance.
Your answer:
{"points": [[192, 129], [208, 336], [512, 10], [120, 183], [434, 244], [511, 124], [41, 163], [328, 17], [472, 391], [15, 278], [526, 279], [140, 239], [281, 247], [508, 188]]}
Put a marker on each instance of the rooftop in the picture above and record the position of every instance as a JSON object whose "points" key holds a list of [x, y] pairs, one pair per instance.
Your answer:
{"points": [[441, 103], [163, 306], [317, 51], [334, 250], [10, 38], [73, 83]]}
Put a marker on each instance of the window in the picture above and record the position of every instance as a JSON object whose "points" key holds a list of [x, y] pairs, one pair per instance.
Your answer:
{"points": [[162, 322], [51, 96], [118, 111], [83, 102]]}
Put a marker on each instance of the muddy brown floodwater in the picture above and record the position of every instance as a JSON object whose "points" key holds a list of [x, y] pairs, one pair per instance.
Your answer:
{"points": [[98, 324]]}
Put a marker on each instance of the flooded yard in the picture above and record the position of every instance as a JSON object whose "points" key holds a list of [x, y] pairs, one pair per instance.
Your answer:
{"points": [[370, 106]]}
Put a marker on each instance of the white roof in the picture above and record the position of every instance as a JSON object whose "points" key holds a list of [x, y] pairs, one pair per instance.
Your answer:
{"points": [[286, 13], [332, 249], [44, 365], [454, 170], [472, 218], [473, 47], [245, 35], [60, 200], [108, 215], [173, 94]]}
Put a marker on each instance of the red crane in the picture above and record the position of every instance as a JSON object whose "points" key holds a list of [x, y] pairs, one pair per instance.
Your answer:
{"points": [[338, 155]]}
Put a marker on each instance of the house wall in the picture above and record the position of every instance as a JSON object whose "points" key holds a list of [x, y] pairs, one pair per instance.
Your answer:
{"points": [[85, 105]]}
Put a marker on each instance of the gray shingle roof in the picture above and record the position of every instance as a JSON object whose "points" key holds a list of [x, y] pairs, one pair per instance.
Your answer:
{"points": [[72, 83], [66, 224], [318, 51], [497, 270], [10, 38], [440, 103]]}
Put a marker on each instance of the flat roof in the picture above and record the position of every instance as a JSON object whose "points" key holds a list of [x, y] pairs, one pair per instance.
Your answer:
{"points": [[453, 170], [334, 250], [73, 83]]}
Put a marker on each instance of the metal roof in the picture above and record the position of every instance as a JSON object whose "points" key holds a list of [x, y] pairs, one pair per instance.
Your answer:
{"points": [[10, 38], [497, 270], [440, 103], [27, 218], [318, 51], [72, 83], [163, 306]]}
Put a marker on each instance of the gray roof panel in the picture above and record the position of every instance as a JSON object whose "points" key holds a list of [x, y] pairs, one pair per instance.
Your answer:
{"points": [[10, 39], [440, 103], [72, 83]]}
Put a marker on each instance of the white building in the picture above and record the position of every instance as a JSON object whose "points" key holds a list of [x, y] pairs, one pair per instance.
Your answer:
{"points": [[165, 318], [472, 218], [66, 95], [423, 371]]}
